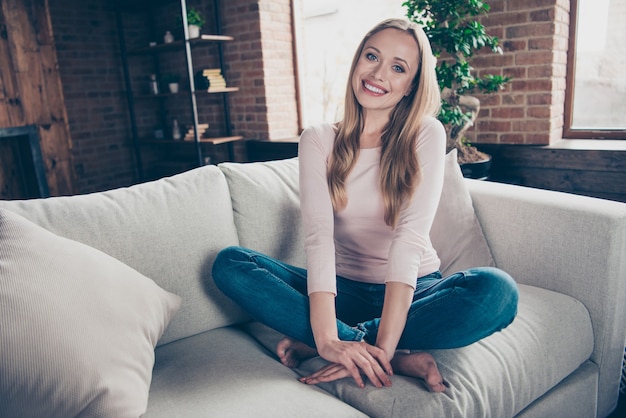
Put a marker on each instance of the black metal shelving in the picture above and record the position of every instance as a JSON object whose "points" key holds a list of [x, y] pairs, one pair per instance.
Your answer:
{"points": [[180, 46]]}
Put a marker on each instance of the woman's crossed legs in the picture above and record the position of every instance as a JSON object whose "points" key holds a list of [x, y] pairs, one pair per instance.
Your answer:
{"points": [[446, 312]]}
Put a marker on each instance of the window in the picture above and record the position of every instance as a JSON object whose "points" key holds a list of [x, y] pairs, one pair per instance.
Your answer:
{"points": [[329, 33], [596, 77]]}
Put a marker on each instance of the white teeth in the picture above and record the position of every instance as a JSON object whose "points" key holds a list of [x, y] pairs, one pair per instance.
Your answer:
{"points": [[373, 89]]}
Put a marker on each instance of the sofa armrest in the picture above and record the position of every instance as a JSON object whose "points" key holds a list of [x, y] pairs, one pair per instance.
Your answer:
{"points": [[570, 244]]}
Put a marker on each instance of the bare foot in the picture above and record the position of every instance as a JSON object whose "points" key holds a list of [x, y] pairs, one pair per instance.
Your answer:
{"points": [[421, 365], [292, 352]]}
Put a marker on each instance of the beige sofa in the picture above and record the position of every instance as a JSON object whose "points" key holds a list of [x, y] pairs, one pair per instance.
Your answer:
{"points": [[561, 357]]}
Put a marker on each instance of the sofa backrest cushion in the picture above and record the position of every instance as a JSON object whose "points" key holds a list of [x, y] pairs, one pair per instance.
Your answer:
{"points": [[266, 205], [265, 198], [169, 230]]}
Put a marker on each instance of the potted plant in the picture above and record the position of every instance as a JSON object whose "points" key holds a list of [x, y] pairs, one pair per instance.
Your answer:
{"points": [[455, 36], [195, 21], [172, 81]]}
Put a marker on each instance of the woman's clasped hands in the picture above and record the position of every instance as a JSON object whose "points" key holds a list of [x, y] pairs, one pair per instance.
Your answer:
{"points": [[352, 359]]}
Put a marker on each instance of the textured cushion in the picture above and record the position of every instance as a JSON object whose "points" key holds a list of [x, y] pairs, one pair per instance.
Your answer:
{"points": [[498, 376], [266, 203], [169, 230], [456, 233], [225, 373], [77, 327]]}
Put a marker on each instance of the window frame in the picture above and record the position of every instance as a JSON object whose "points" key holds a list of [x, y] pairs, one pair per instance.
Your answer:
{"points": [[568, 131]]}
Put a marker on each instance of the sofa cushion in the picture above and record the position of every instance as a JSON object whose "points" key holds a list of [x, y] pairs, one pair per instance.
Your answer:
{"points": [[498, 376], [77, 327], [225, 373], [169, 230], [266, 203]]}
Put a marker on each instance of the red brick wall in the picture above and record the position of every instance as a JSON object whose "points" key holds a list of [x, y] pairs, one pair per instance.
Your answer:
{"points": [[260, 61], [534, 38], [89, 63], [279, 79], [244, 58]]}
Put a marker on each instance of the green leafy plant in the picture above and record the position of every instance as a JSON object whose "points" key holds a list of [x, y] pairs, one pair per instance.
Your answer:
{"points": [[194, 17], [455, 36]]}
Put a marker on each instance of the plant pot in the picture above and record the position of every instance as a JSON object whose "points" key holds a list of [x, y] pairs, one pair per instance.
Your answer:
{"points": [[194, 31], [173, 87], [478, 170]]}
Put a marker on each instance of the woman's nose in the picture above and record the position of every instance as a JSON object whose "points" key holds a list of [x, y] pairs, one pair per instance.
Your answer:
{"points": [[377, 73]]}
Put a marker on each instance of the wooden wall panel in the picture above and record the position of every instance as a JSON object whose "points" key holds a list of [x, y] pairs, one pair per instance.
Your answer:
{"points": [[590, 172], [30, 86], [10, 112]]}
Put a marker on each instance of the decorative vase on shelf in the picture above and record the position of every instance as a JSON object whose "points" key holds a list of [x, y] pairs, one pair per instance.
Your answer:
{"points": [[168, 38], [194, 31], [154, 85], [176, 135]]}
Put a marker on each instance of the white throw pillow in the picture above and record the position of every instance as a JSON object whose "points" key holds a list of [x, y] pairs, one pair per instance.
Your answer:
{"points": [[77, 327], [456, 233]]}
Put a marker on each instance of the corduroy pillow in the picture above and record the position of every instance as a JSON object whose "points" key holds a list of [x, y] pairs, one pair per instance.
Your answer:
{"points": [[77, 327]]}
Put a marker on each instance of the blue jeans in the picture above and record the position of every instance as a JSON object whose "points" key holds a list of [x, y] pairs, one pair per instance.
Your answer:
{"points": [[446, 312]]}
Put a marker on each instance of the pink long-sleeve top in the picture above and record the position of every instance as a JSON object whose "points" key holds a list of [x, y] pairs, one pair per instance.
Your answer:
{"points": [[355, 242]]}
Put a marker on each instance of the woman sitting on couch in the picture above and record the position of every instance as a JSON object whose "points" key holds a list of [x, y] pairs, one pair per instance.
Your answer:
{"points": [[372, 292]]}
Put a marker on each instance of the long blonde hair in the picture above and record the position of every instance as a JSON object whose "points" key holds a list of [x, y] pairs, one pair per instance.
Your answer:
{"points": [[399, 167]]}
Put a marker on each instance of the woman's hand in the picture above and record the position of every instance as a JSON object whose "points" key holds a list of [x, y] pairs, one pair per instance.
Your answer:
{"points": [[328, 373], [352, 359]]}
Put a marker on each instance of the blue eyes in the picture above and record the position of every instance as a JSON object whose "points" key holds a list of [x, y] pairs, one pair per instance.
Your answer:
{"points": [[372, 57]]}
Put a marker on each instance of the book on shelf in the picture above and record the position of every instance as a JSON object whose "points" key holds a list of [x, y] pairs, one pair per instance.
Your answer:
{"points": [[202, 128], [212, 72], [214, 78]]}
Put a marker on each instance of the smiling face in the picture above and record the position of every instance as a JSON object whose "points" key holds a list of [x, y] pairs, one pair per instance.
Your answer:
{"points": [[385, 70]]}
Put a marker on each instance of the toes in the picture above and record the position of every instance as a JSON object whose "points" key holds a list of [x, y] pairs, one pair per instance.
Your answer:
{"points": [[291, 352], [287, 357], [283, 347], [290, 359], [440, 388], [434, 382]]}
